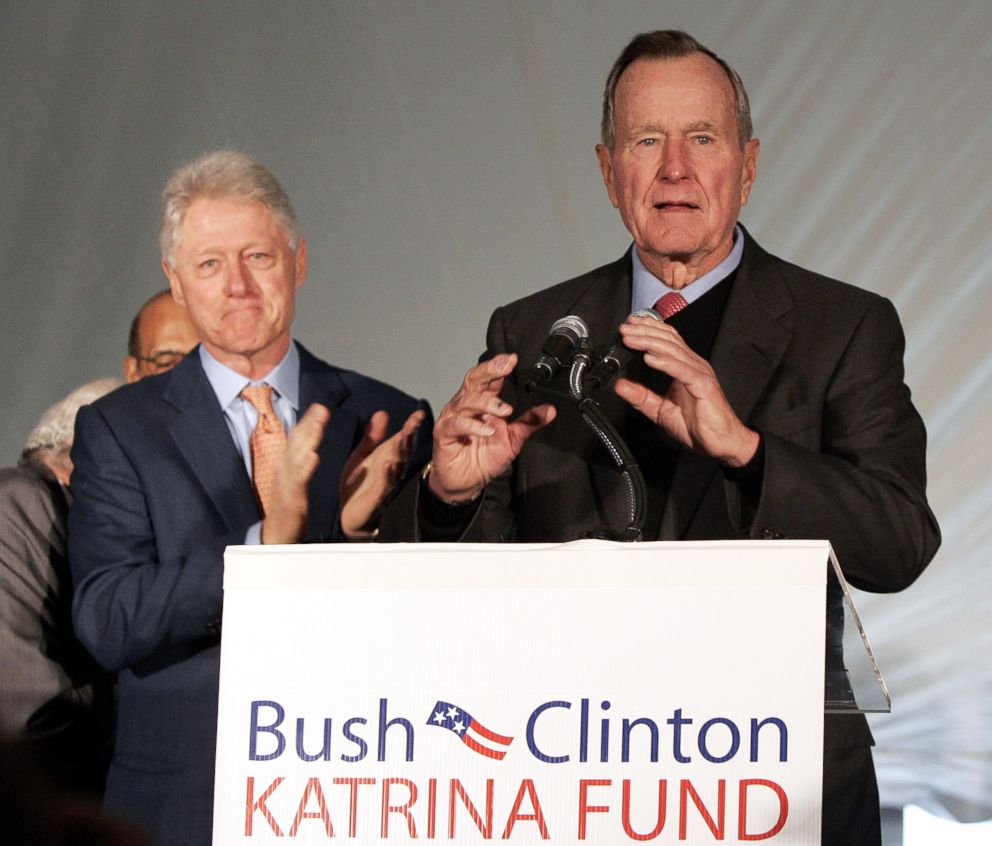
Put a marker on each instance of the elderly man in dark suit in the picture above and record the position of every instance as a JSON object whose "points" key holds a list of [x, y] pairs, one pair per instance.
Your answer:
{"points": [[769, 403], [249, 439]]}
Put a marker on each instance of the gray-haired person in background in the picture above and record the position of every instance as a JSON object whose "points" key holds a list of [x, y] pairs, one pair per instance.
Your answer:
{"points": [[54, 699]]}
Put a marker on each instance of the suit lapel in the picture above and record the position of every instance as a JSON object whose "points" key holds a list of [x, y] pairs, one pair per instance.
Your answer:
{"points": [[319, 383], [605, 303], [753, 336], [201, 434]]}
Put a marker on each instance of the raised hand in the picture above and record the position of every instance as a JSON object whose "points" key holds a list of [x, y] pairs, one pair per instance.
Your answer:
{"points": [[286, 519], [474, 439], [372, 472], [694, 410]]}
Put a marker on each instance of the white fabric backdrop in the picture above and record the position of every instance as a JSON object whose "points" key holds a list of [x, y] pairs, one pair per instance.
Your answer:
{"points": [[441, 158]]}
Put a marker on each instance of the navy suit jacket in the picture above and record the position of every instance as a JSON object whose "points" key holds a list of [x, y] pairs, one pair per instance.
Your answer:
{"points": [[160, 491]]}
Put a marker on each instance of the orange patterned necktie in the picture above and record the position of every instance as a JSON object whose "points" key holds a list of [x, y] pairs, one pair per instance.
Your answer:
{"points": [[669, 304], [268, 442]]}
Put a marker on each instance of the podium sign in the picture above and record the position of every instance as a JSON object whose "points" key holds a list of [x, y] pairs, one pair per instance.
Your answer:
{"points": [[590, 691]]}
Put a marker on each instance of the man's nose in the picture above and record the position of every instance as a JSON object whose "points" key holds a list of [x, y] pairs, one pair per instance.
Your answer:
{"points": [[238, 280], [674, 161]]}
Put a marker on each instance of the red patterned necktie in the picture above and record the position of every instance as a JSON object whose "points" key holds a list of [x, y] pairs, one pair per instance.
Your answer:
{"points": [[669, 304], [268, 442]]}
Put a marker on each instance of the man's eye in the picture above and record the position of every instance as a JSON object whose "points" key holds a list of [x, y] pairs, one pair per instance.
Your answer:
{"points": [[703, 140], [649, 142], [208, 264], [258, 256]]}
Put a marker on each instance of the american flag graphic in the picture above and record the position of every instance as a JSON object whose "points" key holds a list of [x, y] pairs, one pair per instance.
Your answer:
{"points": [[469, 730]]}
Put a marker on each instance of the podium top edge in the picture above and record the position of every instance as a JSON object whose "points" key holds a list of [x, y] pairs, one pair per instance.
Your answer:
{"points": [[346, 548], [577, 564]]}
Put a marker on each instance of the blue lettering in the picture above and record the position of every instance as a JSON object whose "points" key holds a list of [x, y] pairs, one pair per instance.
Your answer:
{"points": [[735, 739], [324, 753], [272, 728], [384, 726], [604, 734], [652, 727], [783, 737], [583, 731], [363, 747], [532, 744], [677, 722]]}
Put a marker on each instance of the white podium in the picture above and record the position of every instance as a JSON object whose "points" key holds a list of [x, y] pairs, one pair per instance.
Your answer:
{"points": [[583, 692]]}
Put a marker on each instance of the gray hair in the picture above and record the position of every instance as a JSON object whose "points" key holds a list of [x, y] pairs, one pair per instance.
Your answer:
{"points": [[222, 174], [54, 431], [670, 44]]}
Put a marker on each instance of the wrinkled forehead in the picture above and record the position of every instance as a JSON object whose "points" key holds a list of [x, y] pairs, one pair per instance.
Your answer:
{"points": [[211, 216], [691, 87]]}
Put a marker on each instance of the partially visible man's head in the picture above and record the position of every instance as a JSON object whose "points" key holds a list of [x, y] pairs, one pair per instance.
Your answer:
{"points": [[234, 257], [161, 334], [677, 157], [50, 441]]}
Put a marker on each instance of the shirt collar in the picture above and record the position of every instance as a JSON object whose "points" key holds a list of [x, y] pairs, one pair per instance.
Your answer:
{"points": [[647, 287], [227, 384]]}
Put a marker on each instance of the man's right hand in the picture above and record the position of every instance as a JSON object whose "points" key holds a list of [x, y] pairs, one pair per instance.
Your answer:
{"points": [[474, 440], [286, 520]]}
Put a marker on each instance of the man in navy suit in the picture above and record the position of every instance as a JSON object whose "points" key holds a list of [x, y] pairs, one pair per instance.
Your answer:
{"points": [[163, 480]]}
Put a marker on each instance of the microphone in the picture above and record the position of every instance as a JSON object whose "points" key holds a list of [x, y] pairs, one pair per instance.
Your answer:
{"points": [[565, 338], [616, 357]]}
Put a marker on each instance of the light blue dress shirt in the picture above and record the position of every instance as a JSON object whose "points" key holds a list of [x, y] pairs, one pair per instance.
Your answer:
{"points": [[240, 415], [647, 288]]}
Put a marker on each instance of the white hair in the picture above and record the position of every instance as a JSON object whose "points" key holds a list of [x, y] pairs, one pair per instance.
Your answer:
{"points": [[225, 174], [54, 431]]}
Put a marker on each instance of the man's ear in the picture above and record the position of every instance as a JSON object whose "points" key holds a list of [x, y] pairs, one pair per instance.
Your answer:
{"points": [[174, 285], [605, 158], [131, 369], [750, 170], [300, 262]]}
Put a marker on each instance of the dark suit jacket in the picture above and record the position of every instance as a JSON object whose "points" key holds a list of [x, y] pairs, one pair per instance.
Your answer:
{"points": [[160, 491], [813, 363], [53, 697]]}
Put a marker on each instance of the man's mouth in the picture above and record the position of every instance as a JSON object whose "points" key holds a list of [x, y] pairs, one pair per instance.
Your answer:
{"points": [[241, 311], [676, 206]]}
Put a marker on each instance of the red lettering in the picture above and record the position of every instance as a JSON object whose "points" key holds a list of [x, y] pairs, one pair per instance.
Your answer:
{"points": [[313, 786], [688, 790], [431, 808], [353, 807], [526, 786], [625, 816], [251, 805], [584, 807], [783, 810], [404, 809], [487, 828]]}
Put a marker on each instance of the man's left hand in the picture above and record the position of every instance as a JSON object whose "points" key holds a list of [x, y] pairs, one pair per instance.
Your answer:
{"points": [[286, 519], [694, 410], [372, 472]]}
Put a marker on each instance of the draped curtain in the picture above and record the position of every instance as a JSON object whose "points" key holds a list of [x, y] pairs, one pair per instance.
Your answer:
{"points": [[440, 155]]}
